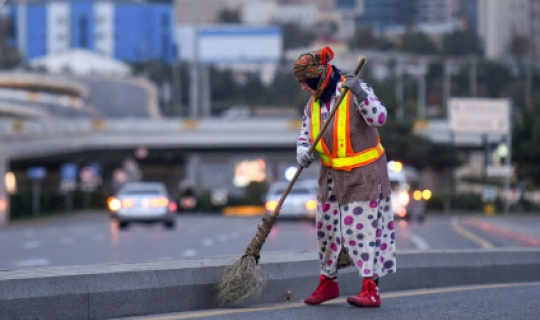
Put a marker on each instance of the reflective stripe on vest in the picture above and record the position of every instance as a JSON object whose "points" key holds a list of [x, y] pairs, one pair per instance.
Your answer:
{"points": [[315, 129], [343, 157]]}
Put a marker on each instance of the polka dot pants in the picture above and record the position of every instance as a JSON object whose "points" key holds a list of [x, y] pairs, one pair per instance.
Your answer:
{"points": [[365, 229]]}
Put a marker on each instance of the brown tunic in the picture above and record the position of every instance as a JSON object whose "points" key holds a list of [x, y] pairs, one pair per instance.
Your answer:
{"points": [[362, 183]]}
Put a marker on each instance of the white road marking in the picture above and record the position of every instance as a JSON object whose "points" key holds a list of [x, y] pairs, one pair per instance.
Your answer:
{"points": [[419, 242], [32, 262], [32, 244], [207, 242], [189, 253], [66, 240]]}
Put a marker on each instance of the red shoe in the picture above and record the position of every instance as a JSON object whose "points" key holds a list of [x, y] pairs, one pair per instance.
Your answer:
{"points": [[369, 297], [328, 289]]}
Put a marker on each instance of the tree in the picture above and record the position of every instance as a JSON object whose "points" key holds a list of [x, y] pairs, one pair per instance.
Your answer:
{"points": [[294, 36], [525, 142], [402, 144], [229, 16], [364, 38], [462, 43], [520, 45], [417, 42]]}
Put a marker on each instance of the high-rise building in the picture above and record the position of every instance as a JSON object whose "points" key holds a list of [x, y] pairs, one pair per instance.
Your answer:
{"points": [[468, 10], [384, 13], [499, 21], [535, 28], [127, 30], [434, 11]]}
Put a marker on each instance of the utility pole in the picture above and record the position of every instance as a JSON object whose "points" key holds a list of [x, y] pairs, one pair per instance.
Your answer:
{"points": [[528, 82], [206, 92], [421, 74], [177, 89], [472, 76], [508, 159], [422, 96], [194, 71], [447, 82], [399, 90]]}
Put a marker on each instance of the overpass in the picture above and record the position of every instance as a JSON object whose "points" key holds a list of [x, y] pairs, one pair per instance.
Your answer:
{"points": [[25, 139], [69, 96]]}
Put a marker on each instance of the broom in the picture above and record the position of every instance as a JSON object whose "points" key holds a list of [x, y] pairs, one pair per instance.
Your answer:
{"points": [[241, 280]]}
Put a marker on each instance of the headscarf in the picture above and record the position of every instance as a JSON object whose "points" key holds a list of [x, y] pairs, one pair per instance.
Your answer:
{"points": [[315, 64]]}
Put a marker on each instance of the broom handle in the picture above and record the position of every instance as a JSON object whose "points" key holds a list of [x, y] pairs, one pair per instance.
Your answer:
{"points": [[361, 63], [257, 242]]}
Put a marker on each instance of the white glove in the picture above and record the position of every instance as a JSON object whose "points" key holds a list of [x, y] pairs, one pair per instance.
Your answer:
{"points": [[305, 159]]}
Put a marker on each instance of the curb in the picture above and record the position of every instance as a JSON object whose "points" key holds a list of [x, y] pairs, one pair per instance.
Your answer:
{"points": [[145, 288]]}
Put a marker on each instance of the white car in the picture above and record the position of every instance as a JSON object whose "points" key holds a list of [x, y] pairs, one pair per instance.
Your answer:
{"points": [[301, 201], [143, 202], [407, 201]]}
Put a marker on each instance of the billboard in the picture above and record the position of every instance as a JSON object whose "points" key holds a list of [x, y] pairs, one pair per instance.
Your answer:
{"points": [[479, 115], [230, 44]]}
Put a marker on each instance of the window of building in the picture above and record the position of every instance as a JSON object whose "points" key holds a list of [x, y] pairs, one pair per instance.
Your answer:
{"points": [[164, 37], [83, 31]]}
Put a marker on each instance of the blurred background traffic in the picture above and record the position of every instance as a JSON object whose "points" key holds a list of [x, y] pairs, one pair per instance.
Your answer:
{"points": [[188, 109]]}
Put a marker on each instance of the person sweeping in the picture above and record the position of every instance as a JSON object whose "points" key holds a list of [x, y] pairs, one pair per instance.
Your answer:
{"points": [[354, 210]]}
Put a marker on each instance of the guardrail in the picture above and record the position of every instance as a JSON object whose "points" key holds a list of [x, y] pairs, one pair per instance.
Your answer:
{"points": [[66, 101], [44, 128], [48, 82]]}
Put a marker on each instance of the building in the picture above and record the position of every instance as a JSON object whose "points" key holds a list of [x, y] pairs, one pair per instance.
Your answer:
{"points": [[269, 12], [535, 28], [127, 30], [434, 11], [468, 10], [207, 11], [499, 21]]}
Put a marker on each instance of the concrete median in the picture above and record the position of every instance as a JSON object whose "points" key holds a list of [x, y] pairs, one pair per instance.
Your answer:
{"points": [[143, 288]]}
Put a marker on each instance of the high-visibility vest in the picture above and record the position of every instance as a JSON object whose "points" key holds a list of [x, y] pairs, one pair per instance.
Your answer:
{"points": [[342, 156]]}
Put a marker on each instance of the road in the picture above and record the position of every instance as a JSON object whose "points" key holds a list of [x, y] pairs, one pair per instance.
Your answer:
{"points": [[85, 239], [506, 301]]}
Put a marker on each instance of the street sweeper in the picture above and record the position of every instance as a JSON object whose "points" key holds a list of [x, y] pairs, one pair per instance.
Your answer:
{"points": [[354, 215]]}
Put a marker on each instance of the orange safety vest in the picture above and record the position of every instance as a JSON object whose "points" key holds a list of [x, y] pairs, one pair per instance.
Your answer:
{"points": [[343, 156]]}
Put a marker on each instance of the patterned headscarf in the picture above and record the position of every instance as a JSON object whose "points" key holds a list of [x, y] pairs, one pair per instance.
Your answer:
{"points": [[314, 64]]}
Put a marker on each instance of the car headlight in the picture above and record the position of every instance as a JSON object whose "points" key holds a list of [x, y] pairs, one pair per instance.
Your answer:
{"points": [[417, 195], [311, 204], [427, 194], [127, 203], [271, 205], [404, 198], [114, 204]]}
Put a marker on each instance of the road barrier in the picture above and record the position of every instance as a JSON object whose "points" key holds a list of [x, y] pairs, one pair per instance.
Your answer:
{"points": [[137, 289]]}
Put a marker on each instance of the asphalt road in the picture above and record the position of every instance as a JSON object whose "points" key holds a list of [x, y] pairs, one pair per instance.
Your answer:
{"points": [[489, 302], [86, 239]]}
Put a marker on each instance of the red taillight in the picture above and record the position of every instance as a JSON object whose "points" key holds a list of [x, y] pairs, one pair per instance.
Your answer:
{"points": [[173, 206]]}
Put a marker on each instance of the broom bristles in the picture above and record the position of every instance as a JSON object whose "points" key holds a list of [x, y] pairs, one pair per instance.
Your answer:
{"points": [[240, 281]]}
